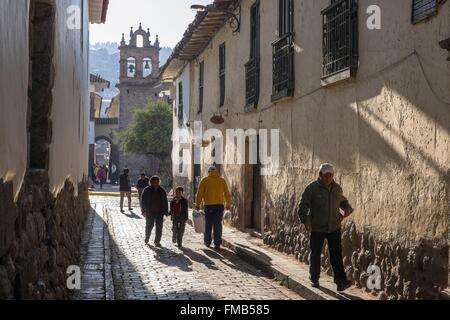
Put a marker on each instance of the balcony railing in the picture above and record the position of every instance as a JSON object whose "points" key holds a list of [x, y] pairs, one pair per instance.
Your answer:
{"points": [[180, 116], [252, 82], [106, 121], [340, 37], [283, 67]]}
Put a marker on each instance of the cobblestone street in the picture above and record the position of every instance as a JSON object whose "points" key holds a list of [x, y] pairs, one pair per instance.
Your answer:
{"points": [[168, 273]]}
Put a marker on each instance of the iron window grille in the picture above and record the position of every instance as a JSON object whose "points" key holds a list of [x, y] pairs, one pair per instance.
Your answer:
{"points": [[252, 67], [201, 85], [283, 67], [252, 82], [222, 74], [283, 52], [423, 9], [180, 104], [340, 37]]}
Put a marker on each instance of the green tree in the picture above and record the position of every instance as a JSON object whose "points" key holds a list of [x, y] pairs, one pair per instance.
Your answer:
{"points": [[150, 132]]}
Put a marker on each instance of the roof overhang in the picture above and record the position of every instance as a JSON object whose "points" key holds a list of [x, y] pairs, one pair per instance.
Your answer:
{"points": [[98, 10], [99, 82], [172, 69], [196, 38]]}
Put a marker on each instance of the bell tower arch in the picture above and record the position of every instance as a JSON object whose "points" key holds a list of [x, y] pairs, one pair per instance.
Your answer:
{"points": [[146, 57], [139, 84]]}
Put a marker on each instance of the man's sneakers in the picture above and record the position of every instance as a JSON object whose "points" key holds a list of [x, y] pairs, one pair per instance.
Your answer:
{"points": [[158, 244], [147, 240], [215, 247], [340, 286], [344, 286], [315, 284]]}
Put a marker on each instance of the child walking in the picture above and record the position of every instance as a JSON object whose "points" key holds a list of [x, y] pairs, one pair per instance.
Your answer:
{"points": [[179, 212]]}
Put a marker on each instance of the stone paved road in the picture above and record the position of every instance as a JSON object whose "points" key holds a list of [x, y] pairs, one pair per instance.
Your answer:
{"points": [[169, 273]]}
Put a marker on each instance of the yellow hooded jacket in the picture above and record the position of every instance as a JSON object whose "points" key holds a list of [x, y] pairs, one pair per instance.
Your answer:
{"points": [[213, 190]]}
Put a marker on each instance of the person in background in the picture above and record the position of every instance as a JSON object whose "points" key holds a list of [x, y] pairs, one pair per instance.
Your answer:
{"points": [[101, 176], [97, 168], [125, 189], [214, 193], [155, 206], [106, 173], [179, 213], [319, 211], [141, 184]]}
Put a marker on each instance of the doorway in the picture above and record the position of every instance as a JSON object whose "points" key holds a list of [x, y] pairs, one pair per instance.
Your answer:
{"points": [[252, 185], [197, 178]]}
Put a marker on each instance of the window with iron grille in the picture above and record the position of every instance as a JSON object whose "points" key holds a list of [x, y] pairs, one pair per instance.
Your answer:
{"points": [[340, 38], [201, 85], [422, 9], [222, 73], [283, 53], [181, 165], [252, 67], [286, 17], [180, 104]]}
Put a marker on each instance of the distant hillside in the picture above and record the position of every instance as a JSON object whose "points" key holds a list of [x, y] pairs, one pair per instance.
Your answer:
{"points": [[104, 60]]}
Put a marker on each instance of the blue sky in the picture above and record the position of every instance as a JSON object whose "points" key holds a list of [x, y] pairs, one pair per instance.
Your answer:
{"points": [[166, 18]]}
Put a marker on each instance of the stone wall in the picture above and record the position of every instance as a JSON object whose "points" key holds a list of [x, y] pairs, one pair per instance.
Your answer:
{"points": [[416, 272], [41, 236]]}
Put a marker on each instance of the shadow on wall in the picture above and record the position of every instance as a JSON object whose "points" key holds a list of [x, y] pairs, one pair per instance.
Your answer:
{"points": [[399, 125], [392, 93]]}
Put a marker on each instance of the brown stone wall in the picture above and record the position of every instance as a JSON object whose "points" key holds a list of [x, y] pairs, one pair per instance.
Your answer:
{"points": [[41, 236], [418, 271]]}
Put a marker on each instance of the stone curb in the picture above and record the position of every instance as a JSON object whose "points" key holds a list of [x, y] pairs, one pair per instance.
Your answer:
{"points": [[109, 284], [277, 272], [272, 270], [276, 269]]}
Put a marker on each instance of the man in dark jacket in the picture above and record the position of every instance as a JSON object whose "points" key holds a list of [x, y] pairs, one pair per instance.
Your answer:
{"points": [[179, 209], [141, 184], [319, 211], [125, 189], [155, 206]]}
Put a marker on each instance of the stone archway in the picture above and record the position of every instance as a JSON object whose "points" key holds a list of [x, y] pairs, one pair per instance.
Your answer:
{"points": [[113, 162]]}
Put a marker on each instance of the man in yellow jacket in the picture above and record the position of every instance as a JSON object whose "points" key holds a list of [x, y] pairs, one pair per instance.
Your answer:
{"points": [[214, 193]]}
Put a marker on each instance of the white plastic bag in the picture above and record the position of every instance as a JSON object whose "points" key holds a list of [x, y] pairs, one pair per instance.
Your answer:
{"points": [[198, 217]]}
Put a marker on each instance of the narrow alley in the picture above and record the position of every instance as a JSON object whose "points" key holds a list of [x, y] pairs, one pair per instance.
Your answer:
{"points": [[305, 145]]}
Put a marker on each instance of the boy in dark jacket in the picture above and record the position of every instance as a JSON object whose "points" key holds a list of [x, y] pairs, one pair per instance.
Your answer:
{"points": [[179, 212]]}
